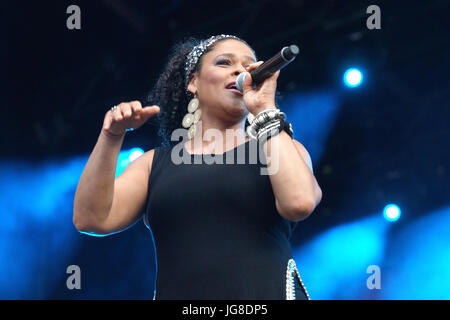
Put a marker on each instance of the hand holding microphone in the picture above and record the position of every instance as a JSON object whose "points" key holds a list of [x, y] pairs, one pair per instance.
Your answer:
{"points": [[269, 67], [259, 89]]}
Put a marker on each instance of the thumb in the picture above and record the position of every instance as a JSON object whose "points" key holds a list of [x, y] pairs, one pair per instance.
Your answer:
{"points": [[150, 111], [247, 85]]}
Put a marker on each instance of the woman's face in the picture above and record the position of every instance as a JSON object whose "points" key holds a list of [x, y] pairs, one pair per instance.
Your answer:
{"points": [[219, 67]]}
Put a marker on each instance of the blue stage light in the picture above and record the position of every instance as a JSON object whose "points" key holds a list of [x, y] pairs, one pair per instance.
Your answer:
{"points": [[353, 77], [392, 212], [135, 153], [126, 157]]}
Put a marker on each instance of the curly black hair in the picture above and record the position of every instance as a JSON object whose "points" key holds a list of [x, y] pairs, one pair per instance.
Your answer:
{"points": [[169, 92]]}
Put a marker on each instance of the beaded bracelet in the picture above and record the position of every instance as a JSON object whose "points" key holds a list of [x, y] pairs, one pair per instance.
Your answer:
{"points": [[275, 129], [268, 129], [262, 119], [266, 116], [269, 123]]}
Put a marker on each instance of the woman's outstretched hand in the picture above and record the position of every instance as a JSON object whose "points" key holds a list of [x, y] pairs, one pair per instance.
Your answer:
{"points": [[127, 116]]}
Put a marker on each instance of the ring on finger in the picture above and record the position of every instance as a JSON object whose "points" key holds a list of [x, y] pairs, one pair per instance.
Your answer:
{"points": [[113, 108]]}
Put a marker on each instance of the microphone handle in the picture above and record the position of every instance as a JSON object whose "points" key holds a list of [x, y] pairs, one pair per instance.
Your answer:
{"points": [[277, 62], [269, 67]]}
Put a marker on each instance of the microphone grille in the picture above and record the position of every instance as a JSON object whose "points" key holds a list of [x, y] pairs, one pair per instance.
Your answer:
{"points": [[240, 81]]}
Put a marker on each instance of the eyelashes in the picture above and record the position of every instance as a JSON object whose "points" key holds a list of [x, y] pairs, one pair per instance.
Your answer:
{"points": [[227, 62], [223, 61]]}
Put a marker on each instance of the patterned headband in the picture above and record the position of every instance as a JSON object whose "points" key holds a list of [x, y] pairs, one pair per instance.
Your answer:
{"points": [[197, 52]]}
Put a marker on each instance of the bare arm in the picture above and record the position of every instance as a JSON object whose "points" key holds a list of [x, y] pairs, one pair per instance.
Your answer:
{"points": [[103, 204], [289, 166], [296, 189]]}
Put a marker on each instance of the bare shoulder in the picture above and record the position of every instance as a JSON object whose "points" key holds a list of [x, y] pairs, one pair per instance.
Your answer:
{"points": [[303, 153], [140, 165], [148, 158]]}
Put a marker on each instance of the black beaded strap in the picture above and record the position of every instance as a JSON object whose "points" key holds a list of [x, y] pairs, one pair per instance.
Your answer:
{"points": [[287, 126], [284, 125]]}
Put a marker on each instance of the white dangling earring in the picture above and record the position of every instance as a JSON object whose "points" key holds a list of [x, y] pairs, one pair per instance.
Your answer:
{"points": [[192, 117]]}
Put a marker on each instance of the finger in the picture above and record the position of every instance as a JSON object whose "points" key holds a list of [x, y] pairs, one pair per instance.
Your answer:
{"points": [[136, 106], [150, 111], [117, 113], [269, 83], [276, 75], [127, 111], [117, 116], [247, 85], [254, 65], [107, 122], [271, 79], [109, 118]]}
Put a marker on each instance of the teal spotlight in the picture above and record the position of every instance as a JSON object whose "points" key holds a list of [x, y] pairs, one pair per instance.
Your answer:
{"points": [[392, 212], [353, 77], [135, 153], [126, 157]]}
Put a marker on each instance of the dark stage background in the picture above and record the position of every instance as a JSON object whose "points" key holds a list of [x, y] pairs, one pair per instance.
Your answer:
{"points": [[383, 142]]}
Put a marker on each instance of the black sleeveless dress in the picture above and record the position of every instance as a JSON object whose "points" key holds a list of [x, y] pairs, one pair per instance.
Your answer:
{"points": [[216, 230]]}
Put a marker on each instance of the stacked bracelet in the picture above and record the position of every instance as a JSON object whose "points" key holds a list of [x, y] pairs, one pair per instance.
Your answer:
{"points": [[283, 125], [269, 123], [269, 129]]}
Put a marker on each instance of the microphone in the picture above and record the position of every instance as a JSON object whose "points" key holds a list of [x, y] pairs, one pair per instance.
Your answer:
{"points": [[269, 67]]}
